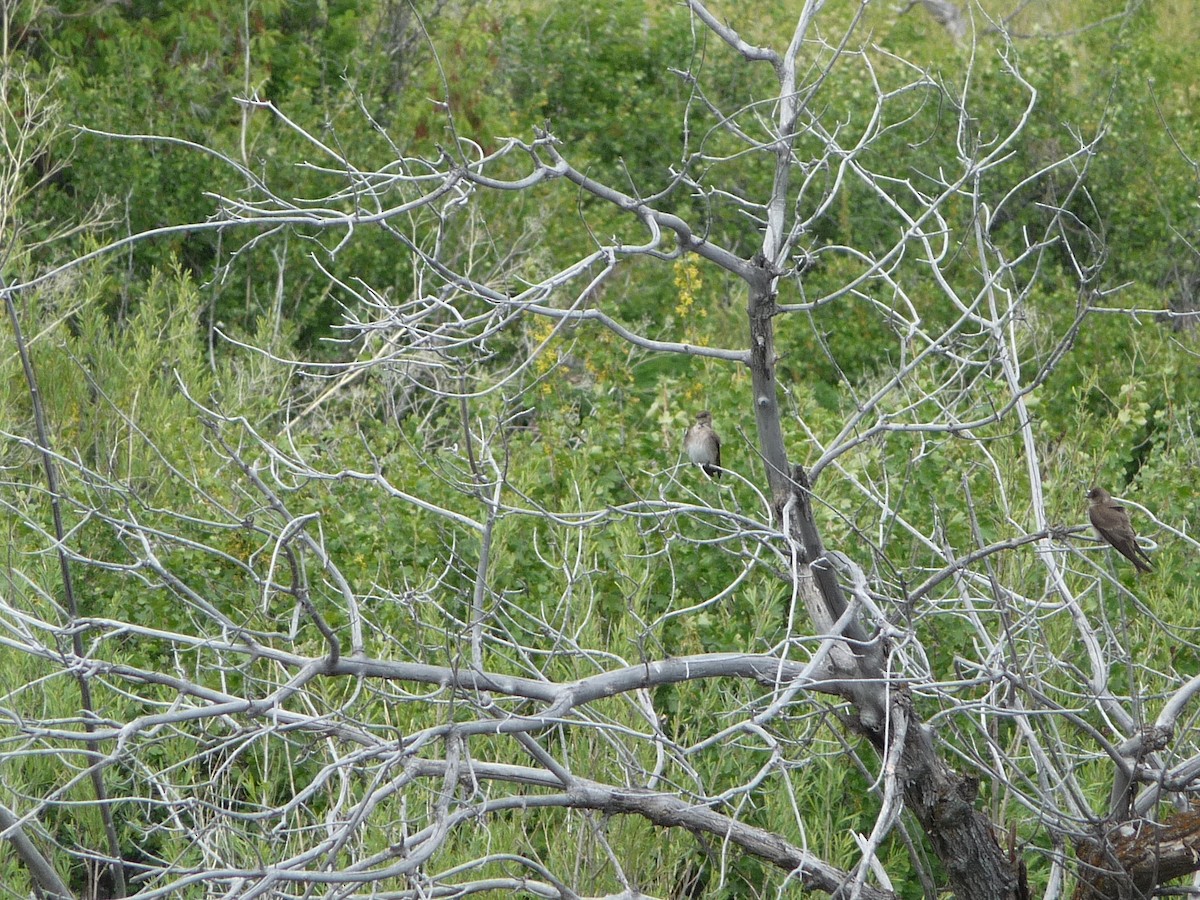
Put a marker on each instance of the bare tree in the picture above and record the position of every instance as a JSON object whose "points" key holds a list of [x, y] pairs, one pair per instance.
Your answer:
{"points": [[404, 716]]}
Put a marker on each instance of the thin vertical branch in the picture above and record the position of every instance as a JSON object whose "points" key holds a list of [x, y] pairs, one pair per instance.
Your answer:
{"points": [[94, 753]]}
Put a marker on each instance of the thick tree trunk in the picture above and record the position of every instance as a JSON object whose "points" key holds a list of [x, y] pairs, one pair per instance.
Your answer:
{"points": [[943, 801], [963, 838]]}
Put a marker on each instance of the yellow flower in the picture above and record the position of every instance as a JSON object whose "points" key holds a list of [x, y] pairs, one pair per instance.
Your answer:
{"points": [[689, 282]]}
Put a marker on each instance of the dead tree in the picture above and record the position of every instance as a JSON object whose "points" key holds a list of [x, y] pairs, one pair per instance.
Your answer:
{"points": [[483, 708]]}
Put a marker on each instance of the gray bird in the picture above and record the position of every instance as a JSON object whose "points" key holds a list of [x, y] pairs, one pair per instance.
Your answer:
{"points": [[1112, 524], [702, 445]]}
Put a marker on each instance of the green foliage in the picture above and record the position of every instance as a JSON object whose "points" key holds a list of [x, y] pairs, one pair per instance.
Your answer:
{"points": [[176, 70], [115, 348], [1149, 210], [598, 74]]}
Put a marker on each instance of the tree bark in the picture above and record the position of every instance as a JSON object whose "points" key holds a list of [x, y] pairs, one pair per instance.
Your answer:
{"points": [[963, 838], [1128, 860]]}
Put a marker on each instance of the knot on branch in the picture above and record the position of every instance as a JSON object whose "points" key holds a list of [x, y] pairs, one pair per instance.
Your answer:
{"points": [[760, 274], [954, 804], [1153, 738], [543, 134], [1061, 533], [760, 261]]}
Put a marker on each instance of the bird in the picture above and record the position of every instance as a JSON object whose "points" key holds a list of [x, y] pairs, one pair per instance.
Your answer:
{"points": [[702, 445], [1112, 524]]}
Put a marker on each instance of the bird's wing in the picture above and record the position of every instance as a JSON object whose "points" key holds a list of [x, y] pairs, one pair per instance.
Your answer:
{"points": [[1135, 554], [1118, 537], [1131, 549], [717, 447], [1111, 521], [1125, 542], [1118, 509]]}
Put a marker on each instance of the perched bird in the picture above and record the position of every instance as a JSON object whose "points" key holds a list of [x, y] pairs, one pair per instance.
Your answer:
{"points": [[702, 445], [1112, 524]]}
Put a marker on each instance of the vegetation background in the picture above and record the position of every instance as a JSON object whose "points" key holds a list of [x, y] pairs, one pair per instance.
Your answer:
{"points": [[133, 345]]}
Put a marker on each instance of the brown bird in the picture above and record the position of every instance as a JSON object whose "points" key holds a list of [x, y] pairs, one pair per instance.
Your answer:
{"points": [[1112, 524], [702, 445]]}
